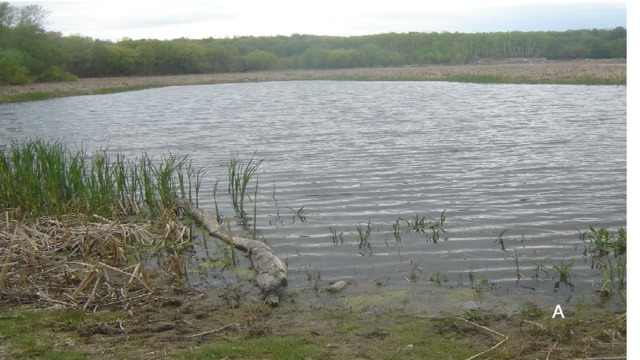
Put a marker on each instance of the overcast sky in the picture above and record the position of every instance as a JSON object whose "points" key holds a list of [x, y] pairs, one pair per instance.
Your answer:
{"points": [[114, 20]]}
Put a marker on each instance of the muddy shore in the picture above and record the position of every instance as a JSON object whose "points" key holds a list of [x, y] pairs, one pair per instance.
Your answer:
{"points": [[614, 70]]}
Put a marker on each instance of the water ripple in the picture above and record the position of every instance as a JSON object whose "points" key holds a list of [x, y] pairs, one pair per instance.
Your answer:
{"points": [[542, 161]]}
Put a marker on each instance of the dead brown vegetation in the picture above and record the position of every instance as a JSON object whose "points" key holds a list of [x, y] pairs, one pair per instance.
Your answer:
{"points": [[79, 262]]}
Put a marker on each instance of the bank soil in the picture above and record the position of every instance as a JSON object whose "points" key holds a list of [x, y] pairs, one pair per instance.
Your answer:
{"points": [[550, 71], [183, 323]]}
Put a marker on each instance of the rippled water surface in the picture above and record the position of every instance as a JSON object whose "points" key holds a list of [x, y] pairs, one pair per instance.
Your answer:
{"points": [[542, 161]]}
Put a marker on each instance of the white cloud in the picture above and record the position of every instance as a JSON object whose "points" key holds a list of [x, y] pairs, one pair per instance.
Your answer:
{"points": [[198, 19]]}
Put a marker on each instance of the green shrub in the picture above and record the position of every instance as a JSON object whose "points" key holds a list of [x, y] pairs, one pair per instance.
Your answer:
{"points": [[11, 69], [54, 73]]}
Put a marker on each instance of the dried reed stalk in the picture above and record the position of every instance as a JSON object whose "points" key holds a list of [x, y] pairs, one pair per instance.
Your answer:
{"points": [[505, 337], [5, 268], [75, 260]]}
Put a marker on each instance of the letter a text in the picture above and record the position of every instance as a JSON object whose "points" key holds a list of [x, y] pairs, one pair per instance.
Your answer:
{"points": [[557, 311]]}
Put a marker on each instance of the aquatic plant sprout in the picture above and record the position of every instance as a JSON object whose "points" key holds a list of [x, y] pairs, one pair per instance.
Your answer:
{"points": [[240, 175]]}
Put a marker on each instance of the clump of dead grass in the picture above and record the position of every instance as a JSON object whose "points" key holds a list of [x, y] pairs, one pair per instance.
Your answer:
{"points": [[83, 262]]}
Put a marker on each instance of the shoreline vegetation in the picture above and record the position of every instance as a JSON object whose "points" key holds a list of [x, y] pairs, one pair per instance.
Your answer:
{"points": [[577, 72], [94, 265]]}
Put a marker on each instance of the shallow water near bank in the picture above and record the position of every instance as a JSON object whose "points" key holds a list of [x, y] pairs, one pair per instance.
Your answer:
{"points": [[542, 161]]}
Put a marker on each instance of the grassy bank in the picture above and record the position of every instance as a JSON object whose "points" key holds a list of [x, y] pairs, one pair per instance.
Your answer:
{"points": [[192, 326], [44, 95]]}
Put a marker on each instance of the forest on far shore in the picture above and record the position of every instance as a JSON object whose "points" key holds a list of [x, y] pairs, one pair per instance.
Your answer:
{"points": [[30, 53]]}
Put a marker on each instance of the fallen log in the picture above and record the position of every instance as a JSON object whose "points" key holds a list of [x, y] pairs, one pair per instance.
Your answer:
{"points": [[271, 272]]}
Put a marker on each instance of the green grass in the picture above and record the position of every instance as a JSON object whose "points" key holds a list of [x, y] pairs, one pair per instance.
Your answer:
{"points": [[24, 335], [531, 310], [313, 331], [32, 96], [117, 89], [43, 178], [496, 79], [269, 347], [488, 79], [44, 95], [47, 334], [358, 337]]}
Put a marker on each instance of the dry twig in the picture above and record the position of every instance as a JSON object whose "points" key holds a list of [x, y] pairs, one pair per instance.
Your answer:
{"points": [[214, 330], [505, 338]]}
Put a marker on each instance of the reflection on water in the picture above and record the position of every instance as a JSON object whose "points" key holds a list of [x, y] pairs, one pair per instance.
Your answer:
{"points": [[541, 161]]}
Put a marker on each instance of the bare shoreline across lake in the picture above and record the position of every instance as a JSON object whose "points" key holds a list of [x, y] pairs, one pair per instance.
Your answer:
{"points": [[609, 71]]}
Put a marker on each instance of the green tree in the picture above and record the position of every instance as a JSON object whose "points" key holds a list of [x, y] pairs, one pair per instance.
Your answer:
{"points": [[29, 53], [31, 15], [339, 58], [11, 69], [259, 60], [187, 57], [370, 55], [6, 15], [119, 60], [574, 51], [315, 58], [221, 58], [28, 15], [80, 52]]}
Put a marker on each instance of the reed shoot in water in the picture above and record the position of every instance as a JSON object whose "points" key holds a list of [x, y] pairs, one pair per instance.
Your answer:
{"points": [[608, 250], [396, 230], [563, 271], [298, 214], [240, 175], [500, 239], [363, 235], [335, 236]]}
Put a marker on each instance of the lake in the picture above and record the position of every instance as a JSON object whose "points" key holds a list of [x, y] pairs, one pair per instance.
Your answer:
{"points": [[533, 165]]}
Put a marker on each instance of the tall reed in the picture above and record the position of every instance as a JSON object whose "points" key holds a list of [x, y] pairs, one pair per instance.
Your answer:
{"points": [[39, 177], [240, 175]]}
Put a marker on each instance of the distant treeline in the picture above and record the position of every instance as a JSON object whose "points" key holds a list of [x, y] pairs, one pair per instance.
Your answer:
{"points": [[30, 53]]}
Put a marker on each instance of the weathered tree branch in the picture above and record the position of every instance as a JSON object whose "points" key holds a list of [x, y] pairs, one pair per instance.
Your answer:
{"points": [[271, 272]]}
